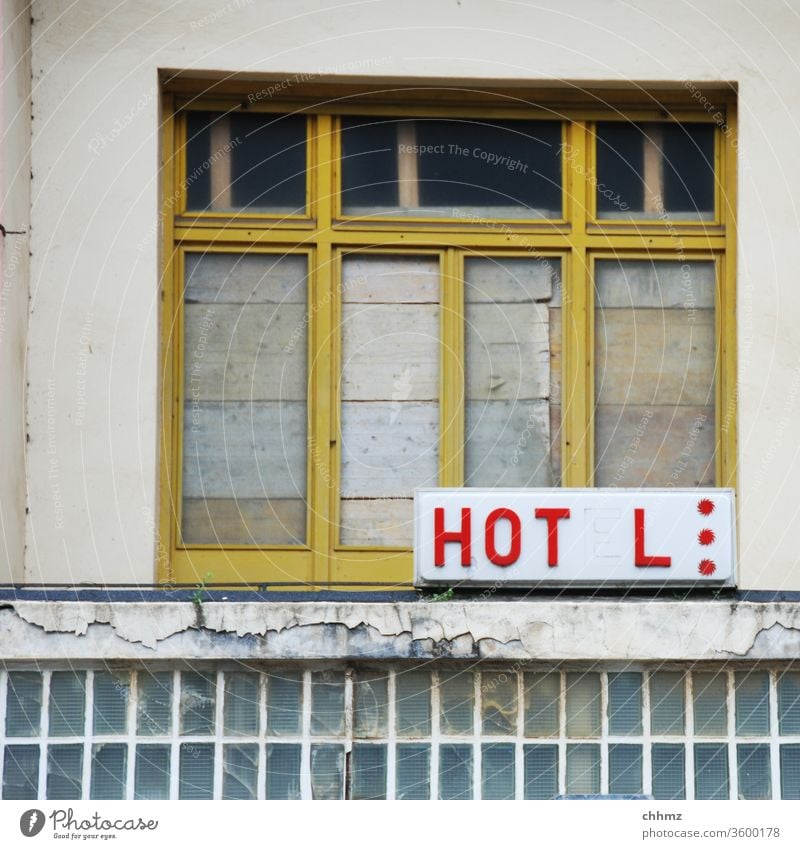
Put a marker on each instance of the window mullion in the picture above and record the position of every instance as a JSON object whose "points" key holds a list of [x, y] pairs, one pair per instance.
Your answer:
{"points": [[452, 370]]}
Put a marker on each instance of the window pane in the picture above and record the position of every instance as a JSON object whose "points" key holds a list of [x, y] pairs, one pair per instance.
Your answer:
{"points": [[371, 703], [655, 170], [390, 394], [790, 772], [498, 771], [625, 703], [542, 700], [284, 703], [67, 703], [710, 703], [23, 704], [21, 772], [499, 703], [152, 772], [109, 764], [327, 703], [583, 769], [111, 691], [752, 703], [253, 163], [413, 703], [669, 771], [241, 703], [455, 772], [513, 371], [197, 771], [755, 777], [369, 771], [583, 704], [457, 702], [451, 168], [541, 772], [624, 768], [64, 765], [413, 771], [711, 771], [240, 772], [198, 703], [667, 712], [654, 373], [154, 710], [283, 770], [245, 384], [789, 703]]}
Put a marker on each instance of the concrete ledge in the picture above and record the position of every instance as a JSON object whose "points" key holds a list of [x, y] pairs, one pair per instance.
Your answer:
{"points": [[474, 630]]}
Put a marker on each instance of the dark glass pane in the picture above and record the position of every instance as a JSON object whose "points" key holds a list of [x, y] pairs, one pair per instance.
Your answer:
{"points": [[541, 771], [624, 769], [20, 772], [283, 770], [369, 771], [710, 771], [655, 170], [109, 763], [196, 771], [64, 765], [455, 772], [669, 776], [451, 168], [254, 163], [67, 703], [152, 772]]}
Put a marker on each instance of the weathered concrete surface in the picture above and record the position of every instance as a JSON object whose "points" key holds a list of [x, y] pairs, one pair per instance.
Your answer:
{"points": [[519, 630]]}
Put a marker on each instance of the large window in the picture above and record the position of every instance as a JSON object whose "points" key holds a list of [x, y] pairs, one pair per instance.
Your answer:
{"points": [[362, 303]]}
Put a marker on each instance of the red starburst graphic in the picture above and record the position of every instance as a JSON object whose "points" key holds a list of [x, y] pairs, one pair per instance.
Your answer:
{"points": [[707, 567], [706, 536], [705, 506]]}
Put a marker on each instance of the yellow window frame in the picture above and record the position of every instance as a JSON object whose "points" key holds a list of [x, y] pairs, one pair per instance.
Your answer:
{"points": [[577, 241]]}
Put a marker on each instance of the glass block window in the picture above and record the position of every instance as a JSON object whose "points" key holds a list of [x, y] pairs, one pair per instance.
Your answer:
{"points": [[426, 732]]}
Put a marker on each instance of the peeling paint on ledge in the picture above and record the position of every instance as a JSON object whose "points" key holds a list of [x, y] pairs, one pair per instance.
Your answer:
{"points": [[518, 630]]}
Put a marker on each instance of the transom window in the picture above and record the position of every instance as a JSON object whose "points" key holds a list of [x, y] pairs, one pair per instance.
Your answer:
{"points": [[363, 303]]}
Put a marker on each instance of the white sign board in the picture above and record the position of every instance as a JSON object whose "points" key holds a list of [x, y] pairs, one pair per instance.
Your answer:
{"points": [[562, 537]]}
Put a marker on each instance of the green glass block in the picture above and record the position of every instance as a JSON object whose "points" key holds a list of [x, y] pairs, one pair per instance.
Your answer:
{"points": [[457, 703], [499, 703], [327, 704], [327, 771], [109, 770], [710, 694], [67, 704], [198, 703], [111, 693], [455, 771], [667, 703], [752, 704], [498, 774], [241, 705], [711, 779], [196, 776], [542, 701], [152, 771], [625, 703], [154, 709], [624, 768], [669, 770], [413, 703], [583, 704], [23, 704], [240, 771], [541, 771], [283, 770], [413, 771], [369, 770], [284, 703]]}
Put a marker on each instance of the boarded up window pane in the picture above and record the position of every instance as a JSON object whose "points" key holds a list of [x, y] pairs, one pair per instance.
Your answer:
{"points": [[253, 163], [654, 373], [245, 384], [655, 170], [390, 394], [513, 372], [453, 168], [67, 703]]}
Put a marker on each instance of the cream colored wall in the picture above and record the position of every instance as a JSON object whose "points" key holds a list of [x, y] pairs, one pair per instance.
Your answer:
{"points": [[94, 282], [14, 216]]}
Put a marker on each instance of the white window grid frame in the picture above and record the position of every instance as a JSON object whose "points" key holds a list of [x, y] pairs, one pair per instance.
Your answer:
{"points": [[480, 672]]}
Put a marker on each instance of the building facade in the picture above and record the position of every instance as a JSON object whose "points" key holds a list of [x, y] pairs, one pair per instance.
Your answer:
{"points": [[268, 270]]}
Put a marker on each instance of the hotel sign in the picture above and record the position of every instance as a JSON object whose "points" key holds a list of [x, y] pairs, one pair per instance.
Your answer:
{"points": [[565, 537]]}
